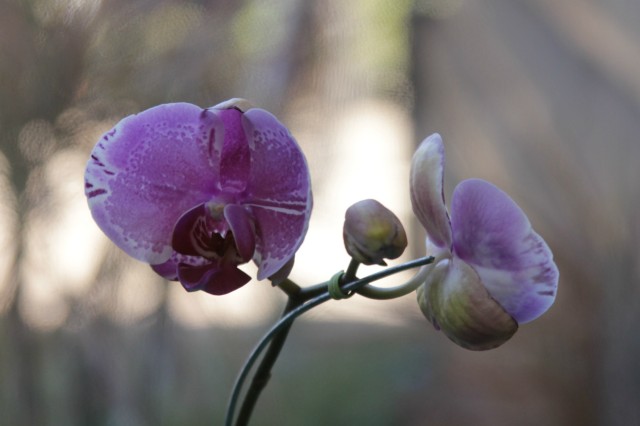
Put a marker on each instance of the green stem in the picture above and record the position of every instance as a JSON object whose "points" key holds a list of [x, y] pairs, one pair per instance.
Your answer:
{"points": [[297, 305], [350, 275], [289, 287], [263, 372], [385, 293]]}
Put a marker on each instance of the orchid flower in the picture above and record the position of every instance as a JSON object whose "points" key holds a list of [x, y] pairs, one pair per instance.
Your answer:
{"points": [[196, 192], [492, 271]]}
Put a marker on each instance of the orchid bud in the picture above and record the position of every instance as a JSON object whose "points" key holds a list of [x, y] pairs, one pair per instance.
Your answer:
{"points": [[372, 233]]}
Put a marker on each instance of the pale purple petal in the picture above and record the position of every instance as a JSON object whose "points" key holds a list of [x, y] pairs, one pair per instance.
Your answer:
{"points": [[435, 251], [455, 301], [283, 273], [427, 197], [278, 193], [146, 172], [279, 234], [494, 236]]}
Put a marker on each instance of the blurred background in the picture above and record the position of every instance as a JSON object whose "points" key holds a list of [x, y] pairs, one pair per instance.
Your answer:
{"points": [[539, 97]]}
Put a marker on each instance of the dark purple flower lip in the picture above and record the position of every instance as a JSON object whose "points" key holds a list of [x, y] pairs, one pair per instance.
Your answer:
{"points": [[205, 231]]}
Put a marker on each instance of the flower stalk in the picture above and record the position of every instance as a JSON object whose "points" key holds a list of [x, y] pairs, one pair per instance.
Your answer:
{"points": [[263, 371], [297, 304]]}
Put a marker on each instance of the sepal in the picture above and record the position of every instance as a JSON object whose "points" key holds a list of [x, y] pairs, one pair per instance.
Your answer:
{"points": [[455, 301]]}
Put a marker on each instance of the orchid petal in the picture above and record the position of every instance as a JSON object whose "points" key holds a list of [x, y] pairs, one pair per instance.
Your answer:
{"points": [[494, 236], [456, 302], [230, 143], [145, 172], [278, 194], [212, 278], [192, 233], [169, 269], [241, 225], [283, 273], [278, 237], [427, 197]]}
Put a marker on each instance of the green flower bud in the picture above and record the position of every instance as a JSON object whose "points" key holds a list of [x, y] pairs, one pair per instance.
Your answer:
{"points": [[372, 233]]}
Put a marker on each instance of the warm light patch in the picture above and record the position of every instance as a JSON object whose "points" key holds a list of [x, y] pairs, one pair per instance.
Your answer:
{"points": [[371, 148]]}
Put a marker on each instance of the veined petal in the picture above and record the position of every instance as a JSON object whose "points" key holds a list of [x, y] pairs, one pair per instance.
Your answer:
{"points": [[278, 194], [241, 225], [278, 235], [427, 197], [147, 171], [493, 235], [230, 144], [283, 273], [279, 171], [455, 301]]}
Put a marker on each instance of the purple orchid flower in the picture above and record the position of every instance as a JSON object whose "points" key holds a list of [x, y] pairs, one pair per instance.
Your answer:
{"points": [[196, 192], [492, 271]]}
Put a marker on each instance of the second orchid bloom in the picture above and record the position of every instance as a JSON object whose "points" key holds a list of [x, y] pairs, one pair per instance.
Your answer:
{"points": [[492, 270]]}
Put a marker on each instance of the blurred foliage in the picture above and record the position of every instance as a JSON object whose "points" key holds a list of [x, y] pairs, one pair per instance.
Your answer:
{"points": [[541, 98]]}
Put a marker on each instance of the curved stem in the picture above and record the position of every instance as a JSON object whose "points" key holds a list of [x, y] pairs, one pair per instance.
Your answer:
{"points": [[263, 372], [292, 289], [352, 270], [385, 293], [289, 287], [295, 307], [284, 323]]}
